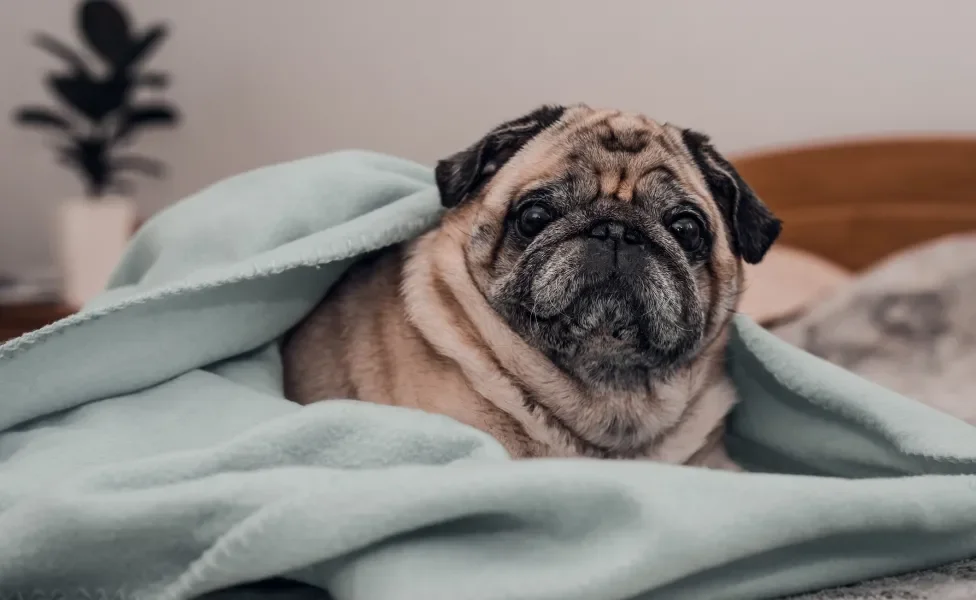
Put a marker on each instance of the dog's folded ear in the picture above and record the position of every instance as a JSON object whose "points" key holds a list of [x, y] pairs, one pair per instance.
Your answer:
{"points": [[460, 175], [754, 227]]}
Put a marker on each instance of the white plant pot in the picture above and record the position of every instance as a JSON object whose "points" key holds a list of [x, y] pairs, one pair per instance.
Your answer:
{"points": [[92, 234]]}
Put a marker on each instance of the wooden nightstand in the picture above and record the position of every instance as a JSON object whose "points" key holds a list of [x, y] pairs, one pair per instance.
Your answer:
{"points": [[18, 319]]}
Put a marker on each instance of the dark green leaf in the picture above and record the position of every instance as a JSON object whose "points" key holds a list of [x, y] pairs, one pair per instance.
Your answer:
{"points": [[41, 117], [142, 49], [145, 116], [46, 42], [94, 99], [106, 29]]}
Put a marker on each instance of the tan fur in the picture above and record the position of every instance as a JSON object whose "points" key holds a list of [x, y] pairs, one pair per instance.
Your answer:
{"points": [[411, 327]]}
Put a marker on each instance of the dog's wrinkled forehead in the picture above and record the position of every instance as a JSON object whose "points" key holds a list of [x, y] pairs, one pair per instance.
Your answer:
{"points": [[618, 153]]}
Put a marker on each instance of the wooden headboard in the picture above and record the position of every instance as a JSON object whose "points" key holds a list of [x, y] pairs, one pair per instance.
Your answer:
{"points": [[856, 202]]}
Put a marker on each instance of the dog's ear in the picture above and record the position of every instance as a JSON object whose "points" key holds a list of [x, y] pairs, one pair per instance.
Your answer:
{"points": [[460, 175], [754, 227]]}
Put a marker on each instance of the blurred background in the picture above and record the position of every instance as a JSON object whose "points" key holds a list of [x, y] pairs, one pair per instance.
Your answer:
{"points": [[258, 82]]}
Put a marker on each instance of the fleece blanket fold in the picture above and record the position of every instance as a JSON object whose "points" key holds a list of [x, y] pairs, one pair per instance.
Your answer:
{"points": [[146, 450]]}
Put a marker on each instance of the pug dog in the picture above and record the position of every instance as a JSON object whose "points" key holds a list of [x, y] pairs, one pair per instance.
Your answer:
{"points": [[574, 300]]}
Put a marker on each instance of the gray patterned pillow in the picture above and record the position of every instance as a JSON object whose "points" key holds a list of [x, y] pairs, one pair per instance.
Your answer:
{"points": [[908, 324]]}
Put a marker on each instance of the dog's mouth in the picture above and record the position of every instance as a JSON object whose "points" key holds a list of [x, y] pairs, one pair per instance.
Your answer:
{"points": [[613, 334], [612, 327], [612, 286]]}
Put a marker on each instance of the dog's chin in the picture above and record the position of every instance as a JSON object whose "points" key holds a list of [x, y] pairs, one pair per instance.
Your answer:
{"points": [[603, 361], [608, 337]]}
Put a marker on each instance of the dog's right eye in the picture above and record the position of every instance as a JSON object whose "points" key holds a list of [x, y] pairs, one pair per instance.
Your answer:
{"points": [[533, 219]]}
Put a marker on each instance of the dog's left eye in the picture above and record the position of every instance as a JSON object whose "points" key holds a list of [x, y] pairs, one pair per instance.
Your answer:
{"points": [[533, 219], [688, 231]]}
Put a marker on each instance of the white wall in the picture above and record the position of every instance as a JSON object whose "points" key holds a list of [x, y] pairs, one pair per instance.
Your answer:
{"points": [[261, 81]]}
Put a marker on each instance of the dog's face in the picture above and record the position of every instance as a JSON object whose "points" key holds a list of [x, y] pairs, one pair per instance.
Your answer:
{"points": [[610, 243]]}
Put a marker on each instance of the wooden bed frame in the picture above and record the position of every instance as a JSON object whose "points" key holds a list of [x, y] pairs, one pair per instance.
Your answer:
{"points": [[855, 202]]}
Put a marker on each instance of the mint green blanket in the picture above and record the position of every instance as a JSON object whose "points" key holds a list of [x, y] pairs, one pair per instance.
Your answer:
{"points": [[147, 452]]}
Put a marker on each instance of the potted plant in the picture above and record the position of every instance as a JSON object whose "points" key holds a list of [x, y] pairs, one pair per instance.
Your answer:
{"points": [[98, 119]]}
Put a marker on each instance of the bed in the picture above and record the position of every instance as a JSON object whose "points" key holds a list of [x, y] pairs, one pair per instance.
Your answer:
{"points": [[862, 215]]}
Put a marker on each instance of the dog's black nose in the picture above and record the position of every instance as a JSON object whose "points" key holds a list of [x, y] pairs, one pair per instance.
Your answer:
{"points": [[612, 245], [613, 230]]}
